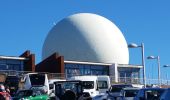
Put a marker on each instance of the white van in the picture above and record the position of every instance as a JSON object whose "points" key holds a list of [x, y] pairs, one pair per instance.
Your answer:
{"points": [[36, 81], [94, 85]]}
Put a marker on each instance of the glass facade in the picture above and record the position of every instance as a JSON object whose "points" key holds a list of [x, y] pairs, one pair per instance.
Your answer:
{"points": [[128, 75], [85, 69], [11, 64]]}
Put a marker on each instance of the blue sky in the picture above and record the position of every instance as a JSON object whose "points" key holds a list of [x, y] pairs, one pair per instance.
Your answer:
{"points": [[24, 25]]}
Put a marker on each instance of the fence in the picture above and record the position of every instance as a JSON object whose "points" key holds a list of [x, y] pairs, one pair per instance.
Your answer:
{"points": [[149, 82], [127, 80]]}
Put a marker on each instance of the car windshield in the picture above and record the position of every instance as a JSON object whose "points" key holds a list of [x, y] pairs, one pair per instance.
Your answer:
{"points": [[67, 86], [115, 89], [37, 79], [88, 84], [102, 85], [131, 93]]}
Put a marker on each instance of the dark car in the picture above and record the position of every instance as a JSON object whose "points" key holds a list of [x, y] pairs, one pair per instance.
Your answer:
{"points": [[70, 90], [30, 95], [149, 94], [165, 95], [129, 93], [115, 90], [12, 82]]}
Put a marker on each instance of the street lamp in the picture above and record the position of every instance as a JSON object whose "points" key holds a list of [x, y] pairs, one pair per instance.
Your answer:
{"points": [[166, 73], [158, 61], [166, 65], [133, 45]]}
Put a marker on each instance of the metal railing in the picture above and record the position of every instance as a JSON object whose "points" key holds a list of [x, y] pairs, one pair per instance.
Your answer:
{"points": [[126, 80]]}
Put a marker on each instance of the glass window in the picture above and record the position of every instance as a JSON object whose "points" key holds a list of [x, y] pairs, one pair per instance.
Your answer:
{"points": [[37, 79], [2, 61], [87, 71], [83, 69], [88, 84], [17, 67], [131, 93], [10, 61], [3, 67], [102, 85]]}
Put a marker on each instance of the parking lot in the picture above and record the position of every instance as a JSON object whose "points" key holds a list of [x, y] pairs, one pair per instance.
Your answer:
{"points": [[37, 85]]}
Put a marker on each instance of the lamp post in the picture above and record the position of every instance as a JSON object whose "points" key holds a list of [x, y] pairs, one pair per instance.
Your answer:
{"points": [[133, 45], [166, 73], [166, 65], [158, 61]]}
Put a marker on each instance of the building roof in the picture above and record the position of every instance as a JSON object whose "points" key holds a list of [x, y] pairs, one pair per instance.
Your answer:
{"points": [[130, 66], [13, 57]]}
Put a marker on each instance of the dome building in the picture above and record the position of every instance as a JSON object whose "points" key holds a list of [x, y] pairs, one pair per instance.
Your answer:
{"points": [[87, 37], [86, 44]]}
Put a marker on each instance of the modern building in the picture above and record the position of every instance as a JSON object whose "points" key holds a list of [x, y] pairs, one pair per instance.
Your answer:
{"points": [[118, 72], [24, 62], [16, 65], [81, 44], [87, 44]]}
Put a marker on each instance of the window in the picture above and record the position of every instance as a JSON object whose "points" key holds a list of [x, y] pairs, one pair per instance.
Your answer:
{"points": [[13, 61], [102, 85], [131, 93], [37, 79], [88, 84], [3, 67], [84, 69]]}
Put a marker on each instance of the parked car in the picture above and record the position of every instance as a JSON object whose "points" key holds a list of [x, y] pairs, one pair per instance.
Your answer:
{"points": [[149, 94], [114, 92], [129, 93], [30, 95], [70, 90], [94, 85], [12, 82], [165, 95]]}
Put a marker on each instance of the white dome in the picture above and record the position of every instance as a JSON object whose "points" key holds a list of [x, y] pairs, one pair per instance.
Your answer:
{"points": [[87, 37]]}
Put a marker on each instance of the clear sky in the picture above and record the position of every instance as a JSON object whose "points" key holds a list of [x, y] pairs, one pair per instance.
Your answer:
{"points": [[24, 25]]}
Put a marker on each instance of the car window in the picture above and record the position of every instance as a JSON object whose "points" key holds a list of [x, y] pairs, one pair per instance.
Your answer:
{"points": [[153, 94], [37, 79], [88, 84], [102, 85], [115, 89], [131, 93], [51, 86]]}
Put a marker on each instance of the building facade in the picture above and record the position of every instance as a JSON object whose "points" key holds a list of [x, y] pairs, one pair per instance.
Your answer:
{"points": [[118, 72], [57, 65], [24, 62]]}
